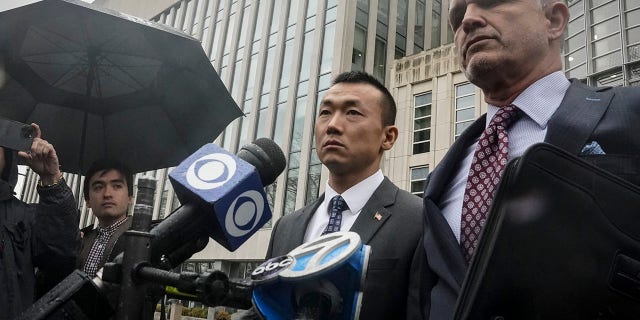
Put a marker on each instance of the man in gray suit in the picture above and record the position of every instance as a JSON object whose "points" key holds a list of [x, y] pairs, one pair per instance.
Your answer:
{"points": [[512, 51], [355, 125]]}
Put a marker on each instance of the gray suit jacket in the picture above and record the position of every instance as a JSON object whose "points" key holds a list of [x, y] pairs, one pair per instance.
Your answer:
{"points": [[609, 116], [392, 285]]}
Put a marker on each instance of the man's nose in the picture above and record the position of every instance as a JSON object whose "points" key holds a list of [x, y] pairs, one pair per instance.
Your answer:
{"points": [[335, 123], [108, 192], [473, 18]]}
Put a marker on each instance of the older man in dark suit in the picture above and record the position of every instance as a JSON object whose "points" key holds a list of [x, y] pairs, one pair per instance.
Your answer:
{"points": [[512, 51], [355, 125]]}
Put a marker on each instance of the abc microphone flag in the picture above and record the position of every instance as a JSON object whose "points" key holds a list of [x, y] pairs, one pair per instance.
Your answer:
{"points": [[226, 188], [320, 279]]}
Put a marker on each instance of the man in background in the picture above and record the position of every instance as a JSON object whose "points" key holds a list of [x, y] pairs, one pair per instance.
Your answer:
{"points": [[43, 235], [512, 50], [108, 191], [355, 125]]}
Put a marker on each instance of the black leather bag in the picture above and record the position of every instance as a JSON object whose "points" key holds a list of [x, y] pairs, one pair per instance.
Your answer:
{"points": [[562, 241]]}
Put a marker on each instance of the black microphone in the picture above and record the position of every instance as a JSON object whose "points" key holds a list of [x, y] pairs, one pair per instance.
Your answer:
{"points": [[222, 195]]}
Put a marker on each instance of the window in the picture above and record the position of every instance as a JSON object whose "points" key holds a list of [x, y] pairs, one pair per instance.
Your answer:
{"points": [[611, 79], [436, 22], [359, 47], [575, 60], [379, 59], [632, 19], [606, 41], [422, 123], [270, 191], [465, 109], [327, 47], [418, 179], [401, 28], [313, 181], [634, 75], [360, 35], [292, 183], [418, 37]]}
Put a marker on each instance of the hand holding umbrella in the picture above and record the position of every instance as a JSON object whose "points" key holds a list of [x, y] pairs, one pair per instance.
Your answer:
{"points": [[42, 159]]}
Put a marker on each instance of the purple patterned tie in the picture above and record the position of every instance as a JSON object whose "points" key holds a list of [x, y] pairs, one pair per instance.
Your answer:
{"points": [[486, 169], [336, 206]]}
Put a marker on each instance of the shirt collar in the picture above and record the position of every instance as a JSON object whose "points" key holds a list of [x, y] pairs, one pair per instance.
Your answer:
{"points": [[358, 195], [112, 228], [540, 100]]}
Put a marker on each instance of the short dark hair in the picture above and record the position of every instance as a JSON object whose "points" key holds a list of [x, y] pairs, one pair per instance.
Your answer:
{"points": [[105, 165], [388, 104]]}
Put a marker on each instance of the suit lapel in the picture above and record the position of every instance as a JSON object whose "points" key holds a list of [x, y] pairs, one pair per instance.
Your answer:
{"points": [[577, 117], [297, 234], [374, 213], [87, 241], [439, 239]]}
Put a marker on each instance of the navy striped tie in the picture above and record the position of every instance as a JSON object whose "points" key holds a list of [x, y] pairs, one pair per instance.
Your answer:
{"points": [[336, 206]]}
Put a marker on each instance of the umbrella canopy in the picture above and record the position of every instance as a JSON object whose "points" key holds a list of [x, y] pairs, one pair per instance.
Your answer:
{"points": [[104, 84]]}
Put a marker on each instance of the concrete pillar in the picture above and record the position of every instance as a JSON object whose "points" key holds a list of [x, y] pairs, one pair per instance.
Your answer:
{"points": [[211, 314], [176, 310]]}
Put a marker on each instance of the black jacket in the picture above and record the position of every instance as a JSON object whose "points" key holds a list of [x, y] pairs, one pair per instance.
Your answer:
{"points": [[43, 236]]}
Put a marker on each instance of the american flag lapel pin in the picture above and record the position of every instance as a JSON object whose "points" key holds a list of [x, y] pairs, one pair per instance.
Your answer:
{"points": [[377, 216]]}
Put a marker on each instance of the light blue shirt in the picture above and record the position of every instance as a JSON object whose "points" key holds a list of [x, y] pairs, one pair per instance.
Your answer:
{"points": [[355, 197], [538, 103]]}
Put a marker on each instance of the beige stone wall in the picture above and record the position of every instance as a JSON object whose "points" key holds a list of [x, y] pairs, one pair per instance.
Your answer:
{"points": [[437, 71]]}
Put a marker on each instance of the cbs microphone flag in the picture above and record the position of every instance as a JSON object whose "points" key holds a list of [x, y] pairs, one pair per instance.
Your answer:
{"points": [[228, 189]]}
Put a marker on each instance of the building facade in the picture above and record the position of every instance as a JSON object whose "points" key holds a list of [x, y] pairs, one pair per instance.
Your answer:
{"points": [[602, 45]]}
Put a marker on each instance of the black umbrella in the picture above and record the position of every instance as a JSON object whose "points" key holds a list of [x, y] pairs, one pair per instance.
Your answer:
{"points": [[100, 83]]}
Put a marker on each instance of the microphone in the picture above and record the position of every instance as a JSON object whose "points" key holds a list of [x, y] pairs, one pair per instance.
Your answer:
{"points": [[321, 279], [222, 195]]}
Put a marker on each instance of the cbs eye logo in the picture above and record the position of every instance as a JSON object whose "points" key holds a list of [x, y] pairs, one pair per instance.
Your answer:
{"points": [[211, 171], [244, 214]]}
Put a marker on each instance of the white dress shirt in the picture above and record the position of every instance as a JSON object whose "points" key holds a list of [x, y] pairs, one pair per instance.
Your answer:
{"points": [[538, 103], [355, 197]]}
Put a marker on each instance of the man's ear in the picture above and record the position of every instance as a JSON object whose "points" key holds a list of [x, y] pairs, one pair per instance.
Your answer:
{"points": [[390, 137], [558, 15]]}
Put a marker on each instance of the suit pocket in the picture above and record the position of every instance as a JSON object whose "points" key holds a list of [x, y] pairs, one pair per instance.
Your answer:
{"points": [[382, 264], [625, 166]]}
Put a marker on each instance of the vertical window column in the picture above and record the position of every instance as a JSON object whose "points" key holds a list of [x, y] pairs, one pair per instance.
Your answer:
{"points": [[422, 123], [418, 180], [465, 107]]}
